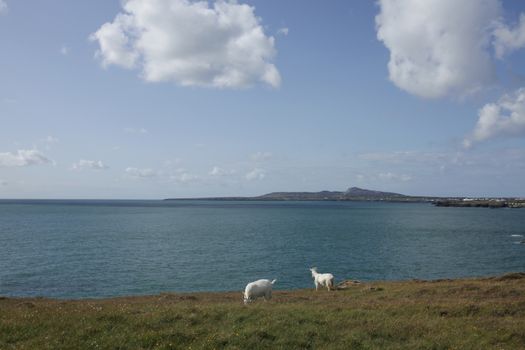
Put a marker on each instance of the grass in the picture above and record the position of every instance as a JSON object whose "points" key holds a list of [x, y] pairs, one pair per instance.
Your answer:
{"points": [[486, 313]]}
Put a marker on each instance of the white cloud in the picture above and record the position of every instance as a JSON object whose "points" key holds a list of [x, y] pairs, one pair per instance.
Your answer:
{"points": [[395, 177], [256, 174], [89, 164], [218, 171], [172, 162], [135, 131], [507, 39], [261, 156], [193, 43], [51, 140], [283, 31], [3, 182], [184, 177], [64, 50], [178, 175], [438, 47], [3, 7], [403, 157], [141, 173], [360, 177], [23, 158], [179, 171], [419, 161], [503, 118], [115, 45]]}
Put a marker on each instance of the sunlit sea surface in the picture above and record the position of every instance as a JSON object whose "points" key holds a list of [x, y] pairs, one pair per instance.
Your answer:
{"points": [[86, 249]]}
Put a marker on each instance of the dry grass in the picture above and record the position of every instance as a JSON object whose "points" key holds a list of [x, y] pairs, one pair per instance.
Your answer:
{"points": [[447, 314]]}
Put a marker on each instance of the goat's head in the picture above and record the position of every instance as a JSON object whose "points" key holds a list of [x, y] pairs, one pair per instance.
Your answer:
{"points": [[245, 299], [313, 270]]}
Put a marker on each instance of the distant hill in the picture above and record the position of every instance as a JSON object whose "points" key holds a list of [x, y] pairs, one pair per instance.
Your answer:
{"points": [[353, 193], [304, 196], [361, 192]]}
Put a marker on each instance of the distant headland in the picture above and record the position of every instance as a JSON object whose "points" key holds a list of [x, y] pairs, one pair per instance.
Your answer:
{"points": [[361, 194]]}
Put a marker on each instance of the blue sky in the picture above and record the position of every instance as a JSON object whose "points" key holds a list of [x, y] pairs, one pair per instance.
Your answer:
{"points": [[174, 98]]}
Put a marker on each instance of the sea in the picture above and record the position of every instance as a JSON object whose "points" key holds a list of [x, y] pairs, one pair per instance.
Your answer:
{"points": [[74, 249]]}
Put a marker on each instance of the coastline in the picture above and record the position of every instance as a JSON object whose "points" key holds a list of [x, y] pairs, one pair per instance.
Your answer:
{"points": [[342, 285], [484, 312]]}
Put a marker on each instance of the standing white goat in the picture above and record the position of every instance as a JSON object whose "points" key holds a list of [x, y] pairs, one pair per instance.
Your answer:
{"points": [[322, 279], [260, 288]]}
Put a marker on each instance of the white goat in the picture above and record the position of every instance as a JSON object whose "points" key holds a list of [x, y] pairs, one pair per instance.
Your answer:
{"points": [[260, 288], [322, 279]]}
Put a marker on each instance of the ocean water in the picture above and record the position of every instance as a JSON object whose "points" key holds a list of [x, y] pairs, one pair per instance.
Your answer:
{"points": [[91, 249]]}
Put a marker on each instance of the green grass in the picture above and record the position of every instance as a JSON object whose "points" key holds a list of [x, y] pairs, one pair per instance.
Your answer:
{"points": [[449, 314]]}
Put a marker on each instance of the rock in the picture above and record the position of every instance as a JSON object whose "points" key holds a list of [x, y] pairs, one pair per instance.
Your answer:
{"points": [[348, 283]]}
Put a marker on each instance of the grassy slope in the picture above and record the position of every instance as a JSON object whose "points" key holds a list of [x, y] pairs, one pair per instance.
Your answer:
{"points": [[450, 314]]}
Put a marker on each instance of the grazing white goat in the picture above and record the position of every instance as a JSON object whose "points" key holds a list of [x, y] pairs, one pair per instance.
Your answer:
{"points": [[322, 279], [260, 288]]}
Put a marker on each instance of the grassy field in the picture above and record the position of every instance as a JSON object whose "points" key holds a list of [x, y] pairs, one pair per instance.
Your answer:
{"points": [[486, 313]]}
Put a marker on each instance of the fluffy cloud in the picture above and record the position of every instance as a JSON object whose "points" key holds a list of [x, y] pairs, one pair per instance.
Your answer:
{"points": [[51, 140], [184, 177], [405, 157], [395, 177], [256, 174], [23, 158], [190, 42], [64, 50], [115, 45], [89, 164], [503, 118], [507, 39], [261, 156], [141, 173], [423, 162], [3, 7], [170, 163], [283, 31], [438, 47], [217, 171]]}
